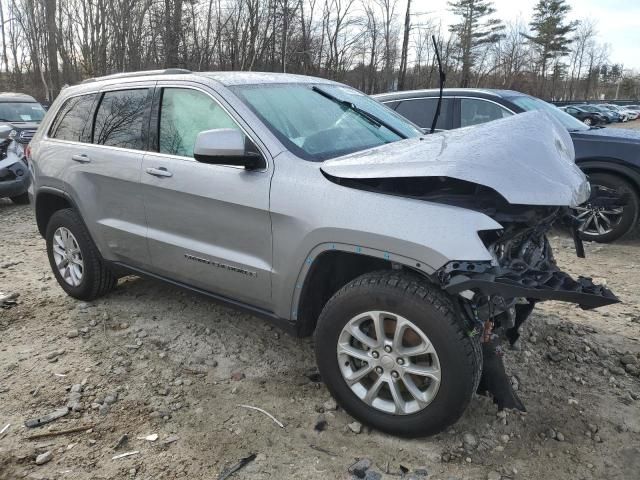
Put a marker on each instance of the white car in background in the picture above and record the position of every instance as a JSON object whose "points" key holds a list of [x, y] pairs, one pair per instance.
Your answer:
{"points": [[625, 113]]}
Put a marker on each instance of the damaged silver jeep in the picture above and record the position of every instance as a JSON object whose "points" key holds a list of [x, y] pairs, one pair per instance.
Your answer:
{"points": [[409, 256]]}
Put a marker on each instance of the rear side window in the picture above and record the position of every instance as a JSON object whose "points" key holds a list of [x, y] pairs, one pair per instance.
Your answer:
{"points": [[421, 111], [474, 111], [120, 119], [72, 118]]}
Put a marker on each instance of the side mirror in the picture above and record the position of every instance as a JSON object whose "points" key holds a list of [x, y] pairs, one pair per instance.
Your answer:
{"points": [[226, 146]]}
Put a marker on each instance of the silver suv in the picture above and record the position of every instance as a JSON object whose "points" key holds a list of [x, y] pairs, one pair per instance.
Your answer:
{"points": [[306, 202]]}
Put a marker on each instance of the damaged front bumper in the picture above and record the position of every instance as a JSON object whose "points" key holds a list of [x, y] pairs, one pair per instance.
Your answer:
{"points": [[498, 296], [14, 177], [486, 279]]}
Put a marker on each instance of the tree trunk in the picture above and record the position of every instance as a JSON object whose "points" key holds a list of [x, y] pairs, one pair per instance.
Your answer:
{"points": [[52, 46], [405, 48]]}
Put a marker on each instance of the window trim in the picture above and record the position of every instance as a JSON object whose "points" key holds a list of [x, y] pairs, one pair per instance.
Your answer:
{"points": [[154, 127], [461, 97]]}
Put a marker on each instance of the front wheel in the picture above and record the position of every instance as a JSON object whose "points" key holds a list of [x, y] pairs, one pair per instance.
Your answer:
{"points": [[587, 121], [396, 356], [602, 223]]}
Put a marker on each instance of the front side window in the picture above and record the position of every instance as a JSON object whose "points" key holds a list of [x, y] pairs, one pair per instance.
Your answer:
{"points": [[324, 121], [184, 113], [474, 111], [422, 110], [72, 118], [120, 119], [21, 112]]}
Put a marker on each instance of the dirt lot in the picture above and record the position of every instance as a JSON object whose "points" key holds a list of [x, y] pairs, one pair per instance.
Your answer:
{"points": [[153, 359]]}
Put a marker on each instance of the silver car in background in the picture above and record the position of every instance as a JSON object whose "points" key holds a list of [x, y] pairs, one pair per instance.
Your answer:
{"points": [[304, 201]]}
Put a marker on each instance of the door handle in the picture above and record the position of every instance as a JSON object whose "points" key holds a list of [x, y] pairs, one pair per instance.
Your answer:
{"points": [[159, 172], [82, 158]]}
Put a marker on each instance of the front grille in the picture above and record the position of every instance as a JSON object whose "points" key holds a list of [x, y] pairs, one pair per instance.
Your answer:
{"points": [[25, 136]]}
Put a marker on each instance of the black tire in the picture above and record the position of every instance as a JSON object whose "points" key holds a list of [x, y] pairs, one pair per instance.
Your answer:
{"points": [[432, 311], [22, 199], [630, 211], [588, 121], [97, 279]]}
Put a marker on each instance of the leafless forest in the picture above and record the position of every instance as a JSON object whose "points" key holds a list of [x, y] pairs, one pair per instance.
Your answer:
{"points": [[374, 45]]}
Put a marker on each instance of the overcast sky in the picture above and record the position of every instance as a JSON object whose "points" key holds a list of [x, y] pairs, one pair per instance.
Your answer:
{"points": [[618, 21]]}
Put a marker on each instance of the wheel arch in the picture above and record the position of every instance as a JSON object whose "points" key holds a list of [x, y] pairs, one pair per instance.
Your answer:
{"points": [[331, 266], [611, 166], [47, 202]]}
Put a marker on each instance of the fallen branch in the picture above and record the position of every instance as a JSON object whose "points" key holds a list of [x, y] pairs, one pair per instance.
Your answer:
{"points": [[278, 422], [55, 433], [242, 463], [126, 454]]}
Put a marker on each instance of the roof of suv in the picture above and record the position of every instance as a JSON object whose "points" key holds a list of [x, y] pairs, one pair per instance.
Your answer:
{"points": [[448, 92], [6, 97], [225, 78]]}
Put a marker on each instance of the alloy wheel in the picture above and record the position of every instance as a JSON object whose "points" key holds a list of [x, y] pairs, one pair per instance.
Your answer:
{"points": [[388, 362], [67, 256], [598, 220]]}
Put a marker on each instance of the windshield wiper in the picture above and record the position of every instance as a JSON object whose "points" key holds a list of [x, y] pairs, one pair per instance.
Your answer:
{"points": [[373, 119]]}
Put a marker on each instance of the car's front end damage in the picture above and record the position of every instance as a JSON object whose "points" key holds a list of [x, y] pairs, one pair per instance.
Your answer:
{"points": [[14, 173], [519, 172]]}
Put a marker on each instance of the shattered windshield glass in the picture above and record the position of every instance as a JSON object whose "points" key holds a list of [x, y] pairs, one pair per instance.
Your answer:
{"points": [[317, 126], [532, 103]]}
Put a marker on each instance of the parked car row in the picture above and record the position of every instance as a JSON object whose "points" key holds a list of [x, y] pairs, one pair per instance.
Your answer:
{"points": [[610, 157], [601, 114]]}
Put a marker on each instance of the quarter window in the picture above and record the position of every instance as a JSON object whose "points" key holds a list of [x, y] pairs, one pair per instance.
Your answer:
{"points": [[120, 119], [72, 118], [184, 113], [476, 111]]}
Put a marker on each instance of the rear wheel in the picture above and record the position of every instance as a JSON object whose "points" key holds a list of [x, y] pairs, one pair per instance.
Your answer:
{"points": [[22, 199], [601, 223], [75, 260], [396, 356], [588, 121]]}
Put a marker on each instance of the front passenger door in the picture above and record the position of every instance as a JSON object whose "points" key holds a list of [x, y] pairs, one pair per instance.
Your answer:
{"points": [[208, 225]]}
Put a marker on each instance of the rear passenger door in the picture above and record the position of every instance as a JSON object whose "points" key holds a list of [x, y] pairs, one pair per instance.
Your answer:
{"points": [[107, 173], [209, 225]]}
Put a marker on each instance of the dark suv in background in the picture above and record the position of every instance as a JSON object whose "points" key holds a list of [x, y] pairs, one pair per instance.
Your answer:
{"points": [[610, 157], [20, 116]]}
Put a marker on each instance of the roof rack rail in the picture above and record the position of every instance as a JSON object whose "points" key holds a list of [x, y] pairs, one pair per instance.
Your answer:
{"points": [[166, 71]]}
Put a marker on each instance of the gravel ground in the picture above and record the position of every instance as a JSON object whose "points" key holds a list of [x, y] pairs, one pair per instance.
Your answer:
{"points": [[153, 360], [632, 125]]}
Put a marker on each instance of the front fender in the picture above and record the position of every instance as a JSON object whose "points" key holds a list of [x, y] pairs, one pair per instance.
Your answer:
{"points": [[311, 214]]}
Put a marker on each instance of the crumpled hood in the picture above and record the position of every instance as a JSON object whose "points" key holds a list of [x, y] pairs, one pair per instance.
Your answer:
{"points": [[527, 158]]}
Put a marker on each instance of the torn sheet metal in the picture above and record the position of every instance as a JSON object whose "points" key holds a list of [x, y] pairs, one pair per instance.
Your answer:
{"points": [[527, 158]]}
